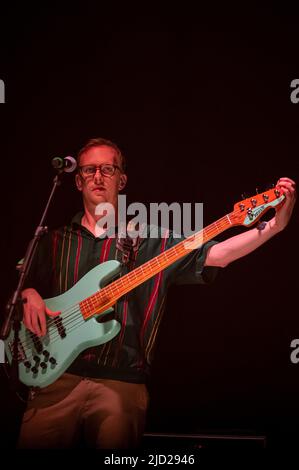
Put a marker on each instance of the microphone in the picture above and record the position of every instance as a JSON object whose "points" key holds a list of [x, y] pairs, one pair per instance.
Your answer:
{"points": [[67, 164]]}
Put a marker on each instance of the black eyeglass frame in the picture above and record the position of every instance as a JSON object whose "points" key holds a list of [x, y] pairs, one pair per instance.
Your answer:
{"points": [[115, 167]]}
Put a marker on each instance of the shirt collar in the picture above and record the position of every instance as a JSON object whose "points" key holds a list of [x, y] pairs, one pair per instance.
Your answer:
{"points": [[76, 222], [77, 218]]}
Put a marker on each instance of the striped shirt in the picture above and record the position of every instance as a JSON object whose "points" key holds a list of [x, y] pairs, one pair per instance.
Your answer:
{"points": [[66, 254]]}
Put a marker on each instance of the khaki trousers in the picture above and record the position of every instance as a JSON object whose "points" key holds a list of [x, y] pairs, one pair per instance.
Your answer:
{"points": [[108, 414]]}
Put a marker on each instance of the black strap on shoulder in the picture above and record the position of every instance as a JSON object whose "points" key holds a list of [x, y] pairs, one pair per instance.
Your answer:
{"points": [[126, 251]]}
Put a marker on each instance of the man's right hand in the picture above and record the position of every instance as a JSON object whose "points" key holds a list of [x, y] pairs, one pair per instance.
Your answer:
{"points": [[35, 311]]}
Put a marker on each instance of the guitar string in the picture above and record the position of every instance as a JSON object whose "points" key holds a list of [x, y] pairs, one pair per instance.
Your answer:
{"points": [[31, 353], [208, 231], [50, 327], [74, 326], [110, 290], [69, 320], [72, 319]]}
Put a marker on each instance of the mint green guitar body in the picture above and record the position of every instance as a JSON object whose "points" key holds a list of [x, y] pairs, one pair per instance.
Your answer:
{"points": [[43, 360]]}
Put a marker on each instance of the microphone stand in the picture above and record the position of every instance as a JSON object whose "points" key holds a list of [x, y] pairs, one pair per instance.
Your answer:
{"points": [[14, 307]]}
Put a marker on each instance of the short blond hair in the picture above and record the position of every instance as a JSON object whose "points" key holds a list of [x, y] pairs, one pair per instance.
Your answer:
{"points": [[99, 142]]}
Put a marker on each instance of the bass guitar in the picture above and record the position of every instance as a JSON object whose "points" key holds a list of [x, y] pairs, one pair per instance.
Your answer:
{"points": [[43, 360]]}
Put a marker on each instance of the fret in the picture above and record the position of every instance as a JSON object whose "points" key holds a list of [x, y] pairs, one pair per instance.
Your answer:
{"points": [[216, 225], [156, 260]]}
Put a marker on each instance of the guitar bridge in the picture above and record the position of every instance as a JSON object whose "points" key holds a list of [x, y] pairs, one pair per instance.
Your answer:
{"points": [[20, 351]]}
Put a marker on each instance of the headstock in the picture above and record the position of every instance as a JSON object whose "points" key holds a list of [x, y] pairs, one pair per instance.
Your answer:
{"points": [[248, 211]]}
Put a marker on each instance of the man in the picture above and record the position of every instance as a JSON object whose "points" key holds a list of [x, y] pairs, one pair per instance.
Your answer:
{"points": [[103, 395]]}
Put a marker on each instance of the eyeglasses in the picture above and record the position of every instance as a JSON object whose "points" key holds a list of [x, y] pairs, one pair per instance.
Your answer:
{"points": [[106, 169]]}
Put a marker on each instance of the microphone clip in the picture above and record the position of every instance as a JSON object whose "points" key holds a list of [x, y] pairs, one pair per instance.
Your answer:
{"points": [[66, 164]]}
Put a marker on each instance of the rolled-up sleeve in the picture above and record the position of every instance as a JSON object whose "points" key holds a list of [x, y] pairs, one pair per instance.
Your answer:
{"points": [[191, 269]]}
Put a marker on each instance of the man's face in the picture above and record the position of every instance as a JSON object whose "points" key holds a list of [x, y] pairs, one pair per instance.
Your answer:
{"points": [[98, 187]]}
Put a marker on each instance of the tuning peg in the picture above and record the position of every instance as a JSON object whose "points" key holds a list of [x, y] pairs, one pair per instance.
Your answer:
{"points": [[244, 195], [257, 190]]}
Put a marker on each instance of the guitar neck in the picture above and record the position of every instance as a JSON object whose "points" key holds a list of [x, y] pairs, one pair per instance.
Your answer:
{"points": [[107, 296]]}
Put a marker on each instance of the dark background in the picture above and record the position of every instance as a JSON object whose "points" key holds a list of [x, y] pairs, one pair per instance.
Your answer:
{"points": [[200, 104]]}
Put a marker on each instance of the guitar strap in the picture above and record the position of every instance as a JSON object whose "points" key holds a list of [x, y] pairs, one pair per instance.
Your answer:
{"points": [[127, 247], [126, 253]]}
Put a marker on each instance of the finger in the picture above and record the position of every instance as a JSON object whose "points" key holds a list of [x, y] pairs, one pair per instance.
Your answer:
{"points": [[292, 195], [27, 317], [286, 179], [286, 183], [42, 322], [36, 323], [289, 184], [287, 187], [286, 192], [52, 314]]}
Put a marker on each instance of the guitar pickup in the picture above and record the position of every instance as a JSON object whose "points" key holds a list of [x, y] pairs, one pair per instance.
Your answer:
{"points": [[61, 329], [37, 343]]}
